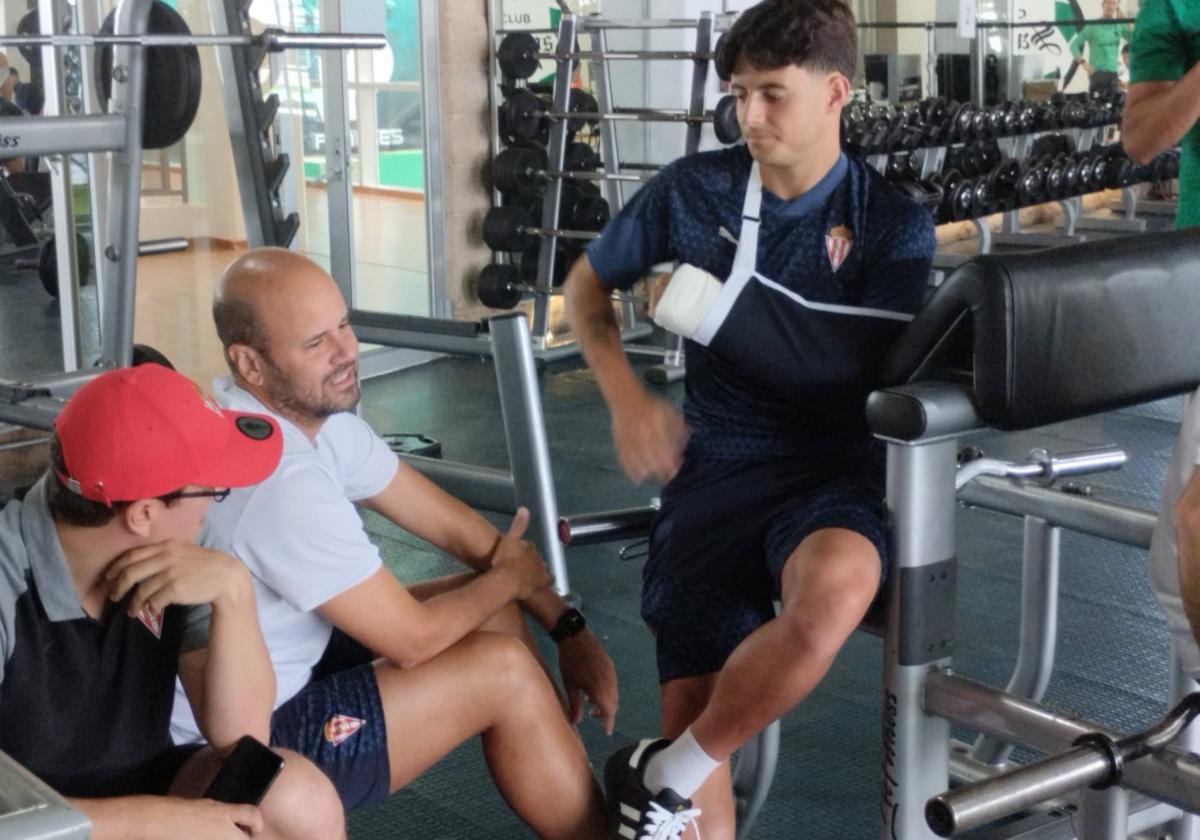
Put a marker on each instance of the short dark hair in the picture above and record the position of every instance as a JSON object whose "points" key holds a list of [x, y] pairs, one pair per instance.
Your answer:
{"points": [[813, 34], [71, 508], [237, 323]]}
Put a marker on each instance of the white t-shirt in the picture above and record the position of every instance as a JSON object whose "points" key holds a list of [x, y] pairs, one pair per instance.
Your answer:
{"points": [[301, 537], [1164, 553]]}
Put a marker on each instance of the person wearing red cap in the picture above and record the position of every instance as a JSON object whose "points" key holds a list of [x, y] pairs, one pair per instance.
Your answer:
{"points": [[105, 600], [329, 609]]}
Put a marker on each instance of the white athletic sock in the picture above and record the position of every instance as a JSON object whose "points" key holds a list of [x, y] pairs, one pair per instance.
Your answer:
{"points": [[683, 766]]}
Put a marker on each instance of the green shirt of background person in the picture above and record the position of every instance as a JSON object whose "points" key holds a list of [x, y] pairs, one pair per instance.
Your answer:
{"points": [[1163, 104], [1103, 41]]}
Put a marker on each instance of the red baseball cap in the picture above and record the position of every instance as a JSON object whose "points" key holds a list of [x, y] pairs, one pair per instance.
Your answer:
{"points": [[146, 431]]}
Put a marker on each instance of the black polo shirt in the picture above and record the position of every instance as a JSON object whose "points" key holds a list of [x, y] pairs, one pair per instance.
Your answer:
{"points": [[85, 703]]}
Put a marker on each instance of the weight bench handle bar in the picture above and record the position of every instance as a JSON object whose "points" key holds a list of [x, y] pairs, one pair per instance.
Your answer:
{"points": [[1043, 465], [1095, 761]]}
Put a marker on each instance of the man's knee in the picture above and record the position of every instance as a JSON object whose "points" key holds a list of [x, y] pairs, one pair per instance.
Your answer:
{"points": [[503, 657], [303, 804], [828, 585]]}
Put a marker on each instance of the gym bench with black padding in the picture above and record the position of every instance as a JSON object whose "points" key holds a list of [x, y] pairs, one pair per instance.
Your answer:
{"points": [[1015, 342]]}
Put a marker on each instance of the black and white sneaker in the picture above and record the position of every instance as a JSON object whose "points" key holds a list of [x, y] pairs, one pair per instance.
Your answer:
{"points": [[633, 812]]}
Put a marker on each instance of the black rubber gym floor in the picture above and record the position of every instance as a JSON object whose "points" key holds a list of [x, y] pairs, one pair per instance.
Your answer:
{"points": [[1112, 652]]}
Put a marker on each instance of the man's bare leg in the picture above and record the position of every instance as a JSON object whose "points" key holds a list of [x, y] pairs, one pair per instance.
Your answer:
{"points": [[489, 684], [827, 585]]}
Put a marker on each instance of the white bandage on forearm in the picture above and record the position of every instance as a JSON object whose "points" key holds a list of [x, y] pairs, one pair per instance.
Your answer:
{"points": [[686, 300]]}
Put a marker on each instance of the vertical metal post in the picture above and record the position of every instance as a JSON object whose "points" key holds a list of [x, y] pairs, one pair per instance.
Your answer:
{"points": [[602, 82], [525, 431], [1103, 814], [339, 174], [431, 128], [50, 16], [124, 188], [1039, 627], [90, 17], [916, 746], [552, 200]]}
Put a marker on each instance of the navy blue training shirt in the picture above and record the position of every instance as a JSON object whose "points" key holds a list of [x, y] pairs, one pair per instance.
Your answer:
{"points": [[691, 213]]}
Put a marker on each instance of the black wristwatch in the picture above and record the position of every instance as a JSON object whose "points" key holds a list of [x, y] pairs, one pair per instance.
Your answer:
{"points": [[570, 623]]}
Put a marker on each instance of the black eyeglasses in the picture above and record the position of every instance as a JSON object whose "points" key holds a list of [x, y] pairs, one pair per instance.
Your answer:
{"points": [[216, 495]]}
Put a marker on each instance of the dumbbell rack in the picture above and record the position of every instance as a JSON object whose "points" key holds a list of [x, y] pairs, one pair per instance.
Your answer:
{"points": [[566, 57], [1010, 225], [259, 166]]}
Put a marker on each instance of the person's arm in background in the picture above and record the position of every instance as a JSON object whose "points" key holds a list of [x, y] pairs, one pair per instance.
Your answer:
{"points": [[1187, 534], [1163, 100], [648, 432], [1076, 46]]}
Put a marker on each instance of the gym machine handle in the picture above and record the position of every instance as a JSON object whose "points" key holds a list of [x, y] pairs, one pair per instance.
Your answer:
{"points": [[605, 526], [1044, 465], [1096, 761]]}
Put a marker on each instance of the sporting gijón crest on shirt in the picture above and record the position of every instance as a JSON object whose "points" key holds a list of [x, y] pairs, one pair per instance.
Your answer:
{"points": [[838, 243]]}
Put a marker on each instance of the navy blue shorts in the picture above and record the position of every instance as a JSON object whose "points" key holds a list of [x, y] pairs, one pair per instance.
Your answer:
{"points": [[337, 722], [724, 532]]}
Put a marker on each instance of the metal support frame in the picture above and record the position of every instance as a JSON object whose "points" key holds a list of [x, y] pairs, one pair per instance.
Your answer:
{"points": [[525, 431], [531, 480], [916, 750], [428, 18], [1039, 626], [921, 694], [50, 19]]}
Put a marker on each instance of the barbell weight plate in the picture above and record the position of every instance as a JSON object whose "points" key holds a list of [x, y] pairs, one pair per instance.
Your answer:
{"points": [[565, 254], [499, 286], [518, 169], [579, 101], [504, 228], [518, 55], [590, 213], [172, 79], [48, 264], [580, 157], [725, 120], [29, 25], [523, 116]]}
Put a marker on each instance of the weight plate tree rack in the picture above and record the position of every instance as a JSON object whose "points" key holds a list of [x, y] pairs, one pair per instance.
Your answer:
{"points": [[259, 166], [567, 56]]}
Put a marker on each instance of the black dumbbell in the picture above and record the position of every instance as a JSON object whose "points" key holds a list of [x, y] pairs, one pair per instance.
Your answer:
{"points": [[1002, 185], [524, 168]]}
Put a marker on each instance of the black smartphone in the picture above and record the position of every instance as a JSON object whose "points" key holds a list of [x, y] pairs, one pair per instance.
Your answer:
{"points": [[246, 775]]}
